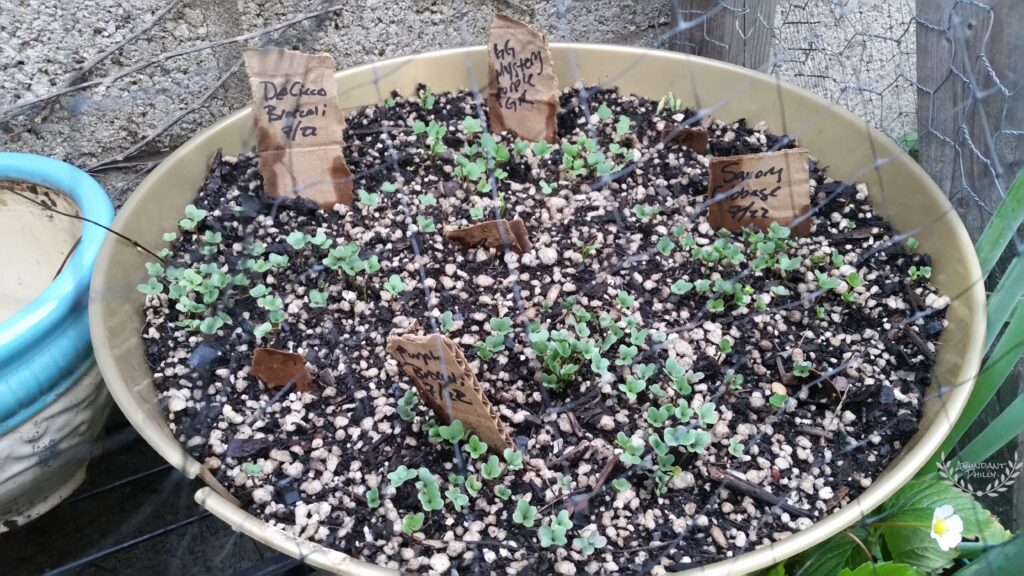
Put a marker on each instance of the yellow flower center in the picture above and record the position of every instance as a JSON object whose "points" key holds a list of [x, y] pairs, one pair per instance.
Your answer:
{"points": [[939, 526]]}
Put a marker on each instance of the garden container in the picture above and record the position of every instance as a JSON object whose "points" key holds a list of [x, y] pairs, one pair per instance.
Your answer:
{"points": [[52, 401], [852, 151]]}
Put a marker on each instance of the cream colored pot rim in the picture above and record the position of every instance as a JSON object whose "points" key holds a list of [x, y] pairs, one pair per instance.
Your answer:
{"points": [[927, 441]]}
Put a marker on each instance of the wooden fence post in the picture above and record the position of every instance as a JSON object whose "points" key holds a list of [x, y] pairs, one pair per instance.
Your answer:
{"points": [[969, 106], [961, 104], [734, 31]]}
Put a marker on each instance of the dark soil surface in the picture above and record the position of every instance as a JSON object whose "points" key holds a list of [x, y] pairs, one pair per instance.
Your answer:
{"points": [[777, 375]]}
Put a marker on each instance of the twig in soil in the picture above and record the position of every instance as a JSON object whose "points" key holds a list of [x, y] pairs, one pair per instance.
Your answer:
{"points": [[10, 112], [731, 482], [90, 221], [840, 493], [608, 469], [581, 502], [575, 425], [590, 395], [121, 157], [919, 343], [571, 455]]}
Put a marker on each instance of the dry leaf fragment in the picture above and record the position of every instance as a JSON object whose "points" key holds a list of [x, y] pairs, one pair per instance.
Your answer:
{"points": [[494, 234], [277, 368]]}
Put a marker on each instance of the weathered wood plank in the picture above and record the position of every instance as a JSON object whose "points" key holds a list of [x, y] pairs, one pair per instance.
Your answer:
{"points": [[734, 31], [968, 67], [969, 71]]}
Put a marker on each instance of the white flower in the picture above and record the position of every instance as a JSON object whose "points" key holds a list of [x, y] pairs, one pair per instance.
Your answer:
{"points": [[947, 527]]}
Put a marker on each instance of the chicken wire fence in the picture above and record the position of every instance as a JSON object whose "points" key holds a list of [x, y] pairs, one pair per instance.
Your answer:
{"points": [[939, 77]]}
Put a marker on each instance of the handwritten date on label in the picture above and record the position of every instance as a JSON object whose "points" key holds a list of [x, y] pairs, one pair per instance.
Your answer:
{"points": [[755, 190], [299, 125], [447, 384], [522, 89]]}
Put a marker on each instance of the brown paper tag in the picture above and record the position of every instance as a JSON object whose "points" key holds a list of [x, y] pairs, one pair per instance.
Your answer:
{"points": [[490, 234], [757, 189], [277, 368], [692, 138], [434, 360], [299, 125], [522, 92]]}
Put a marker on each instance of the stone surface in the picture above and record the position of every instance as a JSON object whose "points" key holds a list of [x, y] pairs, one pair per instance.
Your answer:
{"points": [[45, 41]]}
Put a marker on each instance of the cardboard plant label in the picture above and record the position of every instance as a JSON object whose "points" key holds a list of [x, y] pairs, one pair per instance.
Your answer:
{"points": [[522, 91], [494, 234], [448, 385], [693, 138], [755, 190], [277, 369], [299, 125]]}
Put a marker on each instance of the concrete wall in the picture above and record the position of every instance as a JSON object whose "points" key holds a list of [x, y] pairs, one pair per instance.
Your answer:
{"points": [[43, 42]]}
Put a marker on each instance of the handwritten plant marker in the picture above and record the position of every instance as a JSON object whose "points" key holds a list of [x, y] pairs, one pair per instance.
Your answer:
{"points": [[277, 368], [447, 384], [522, 92], [755, 190], [693, 138], [299, 126], [494, 234]]}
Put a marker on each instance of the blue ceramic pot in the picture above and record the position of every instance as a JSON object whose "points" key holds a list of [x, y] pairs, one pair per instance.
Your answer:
{"points": [[51, 401]]}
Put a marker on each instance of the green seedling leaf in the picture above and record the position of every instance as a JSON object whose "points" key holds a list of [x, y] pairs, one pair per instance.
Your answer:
{"points": [[412, 523], [406, 404], [401, 475], [475, 447], [457, 498], [492, 468], [524, 514], [317, 299], [394, 285], [513, 458]]}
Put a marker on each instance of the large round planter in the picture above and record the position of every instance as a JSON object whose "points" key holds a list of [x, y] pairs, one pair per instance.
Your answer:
{"points": [[52, 400], [901, 190]]}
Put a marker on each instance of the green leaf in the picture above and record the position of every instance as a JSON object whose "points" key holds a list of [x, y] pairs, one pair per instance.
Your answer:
{"points": [[524, 513], [666, 245], [623, 126], [998, 432], [831, 556], [262, 330], [1002, 559], [620, 484], [412, 523], [447, 321], [991, 378], [425, 224], [1002, 227], [915, 503], [681, 287], [1004, 300], [883, 569]]}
